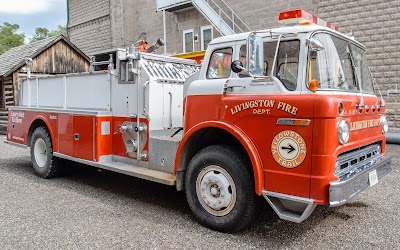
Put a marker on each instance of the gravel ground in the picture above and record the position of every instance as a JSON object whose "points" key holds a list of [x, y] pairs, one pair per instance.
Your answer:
{"points": [[102, 210]]}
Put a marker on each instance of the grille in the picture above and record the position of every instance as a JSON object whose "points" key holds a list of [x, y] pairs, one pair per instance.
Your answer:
{"points": [[353, 162]]}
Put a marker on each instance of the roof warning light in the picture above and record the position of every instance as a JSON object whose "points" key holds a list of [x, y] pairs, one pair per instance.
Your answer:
{"points": [[301, 17]]}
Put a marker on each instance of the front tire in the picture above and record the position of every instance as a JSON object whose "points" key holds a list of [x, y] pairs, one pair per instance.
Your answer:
{"points": [[44, 163], [220, 190]]}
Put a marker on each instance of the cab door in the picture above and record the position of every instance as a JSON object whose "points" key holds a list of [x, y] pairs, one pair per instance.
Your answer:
{"points": [[276, 117], [204, 96]]}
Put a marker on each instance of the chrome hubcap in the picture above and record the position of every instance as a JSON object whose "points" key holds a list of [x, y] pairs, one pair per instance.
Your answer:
{"points": [[216, 190], [40, 152]]}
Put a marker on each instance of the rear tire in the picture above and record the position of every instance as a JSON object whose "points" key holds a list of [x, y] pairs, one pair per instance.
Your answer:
{"points": [[220, 190], [44, 163]]}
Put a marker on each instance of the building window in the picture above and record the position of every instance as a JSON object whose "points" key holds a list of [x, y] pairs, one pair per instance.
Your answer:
{"points": [[206, 36], [188, 40]]}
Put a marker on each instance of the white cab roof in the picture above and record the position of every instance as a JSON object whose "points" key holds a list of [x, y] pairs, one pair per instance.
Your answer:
{"points": [[285, 29]]}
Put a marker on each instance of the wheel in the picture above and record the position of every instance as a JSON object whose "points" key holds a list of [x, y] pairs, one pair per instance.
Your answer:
{"points": [[220, 190], [44, 163]]}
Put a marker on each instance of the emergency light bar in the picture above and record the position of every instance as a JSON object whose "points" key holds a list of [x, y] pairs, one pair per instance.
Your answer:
{"points": [[302, 17]]}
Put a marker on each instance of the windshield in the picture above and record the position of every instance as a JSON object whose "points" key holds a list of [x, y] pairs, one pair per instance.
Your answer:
{"points": [[340, 65]]}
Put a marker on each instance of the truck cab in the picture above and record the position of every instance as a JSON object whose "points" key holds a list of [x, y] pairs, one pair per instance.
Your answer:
{"points": [[304, 97]]}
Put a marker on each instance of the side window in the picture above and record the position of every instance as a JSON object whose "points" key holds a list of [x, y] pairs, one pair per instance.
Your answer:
{"points": [[288, 63], [220, 64], [243, 59], [267, 60]]}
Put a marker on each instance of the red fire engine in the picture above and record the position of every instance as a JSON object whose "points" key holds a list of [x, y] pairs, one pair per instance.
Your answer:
{"points": [[289, 114]]}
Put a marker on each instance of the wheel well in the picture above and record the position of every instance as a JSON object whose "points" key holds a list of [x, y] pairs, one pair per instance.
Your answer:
{"points": [[37, 123], [204, 138]]}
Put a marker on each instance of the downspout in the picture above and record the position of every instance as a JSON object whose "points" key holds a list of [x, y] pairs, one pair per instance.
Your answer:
{"points": [[165, 33], [67, 28], [392, 138]]}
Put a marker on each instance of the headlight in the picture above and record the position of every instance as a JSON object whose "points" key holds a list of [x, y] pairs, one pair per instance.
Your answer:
{"points": [[384, 123], [343, 131]]}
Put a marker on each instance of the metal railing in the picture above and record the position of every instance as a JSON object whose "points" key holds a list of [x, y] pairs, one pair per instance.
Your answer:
{"points": [[228, 16], [224, 19]]}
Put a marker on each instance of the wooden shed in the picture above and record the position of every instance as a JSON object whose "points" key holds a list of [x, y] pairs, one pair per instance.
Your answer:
{"points": [[54, 55]]}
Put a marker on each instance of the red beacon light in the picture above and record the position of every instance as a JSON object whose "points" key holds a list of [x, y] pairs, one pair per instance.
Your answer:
{"points": [[301, 17]]}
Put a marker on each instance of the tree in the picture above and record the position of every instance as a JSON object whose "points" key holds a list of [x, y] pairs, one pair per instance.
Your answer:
{"points": [[42, 33], [9, 38]]}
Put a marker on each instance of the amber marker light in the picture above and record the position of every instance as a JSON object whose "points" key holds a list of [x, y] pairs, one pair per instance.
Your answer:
{"points": [[314, 85], [299, 122], [305, 23]]}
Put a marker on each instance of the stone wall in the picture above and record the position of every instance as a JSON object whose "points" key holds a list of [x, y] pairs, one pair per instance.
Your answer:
{"points": [[376, 24], [89, 25]]}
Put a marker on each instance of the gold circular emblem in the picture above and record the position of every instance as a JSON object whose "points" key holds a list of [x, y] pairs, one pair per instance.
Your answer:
{"points": [[289, 149]]}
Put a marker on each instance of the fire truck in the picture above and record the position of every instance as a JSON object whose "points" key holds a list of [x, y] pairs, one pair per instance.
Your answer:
{"points": [[289, 114]]}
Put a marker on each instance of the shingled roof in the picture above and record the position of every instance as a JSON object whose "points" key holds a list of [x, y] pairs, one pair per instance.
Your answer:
{"points": [[14, 58]]}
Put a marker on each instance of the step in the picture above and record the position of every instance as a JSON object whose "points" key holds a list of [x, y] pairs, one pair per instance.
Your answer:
{"points": [[3, 118], [141, 172], [3, 122], [127, 169]]}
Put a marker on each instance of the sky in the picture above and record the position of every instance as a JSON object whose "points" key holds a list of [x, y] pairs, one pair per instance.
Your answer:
{"points": [[30, 14]]}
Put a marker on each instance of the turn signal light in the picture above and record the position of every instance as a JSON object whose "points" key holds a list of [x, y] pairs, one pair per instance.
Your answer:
{"points": [[314, 84], [300, 122]]}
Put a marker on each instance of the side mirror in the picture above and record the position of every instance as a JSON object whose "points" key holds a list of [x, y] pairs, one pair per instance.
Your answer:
{"points": [[255, 55], [237, 66], [316, 45]]}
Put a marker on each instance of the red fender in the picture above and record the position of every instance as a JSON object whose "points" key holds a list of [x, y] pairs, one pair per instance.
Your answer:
{"points": [[49, 127], [242, 138]]}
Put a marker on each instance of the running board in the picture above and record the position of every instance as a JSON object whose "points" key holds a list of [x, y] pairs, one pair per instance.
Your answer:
{"points": [[127, 169], [288, 207]]}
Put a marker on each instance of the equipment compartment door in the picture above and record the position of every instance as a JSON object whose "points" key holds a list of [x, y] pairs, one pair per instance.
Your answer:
{"points": [[172, 106], [83, 137], [65, 134]]}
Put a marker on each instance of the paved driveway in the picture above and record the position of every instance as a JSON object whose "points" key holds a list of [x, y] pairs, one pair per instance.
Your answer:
{"points": [[102, 210]]}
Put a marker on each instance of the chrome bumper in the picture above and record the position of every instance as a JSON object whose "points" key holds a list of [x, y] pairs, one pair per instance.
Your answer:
{"points": [[340, 192]]}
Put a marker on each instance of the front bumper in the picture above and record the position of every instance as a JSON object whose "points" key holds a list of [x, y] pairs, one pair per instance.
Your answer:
{"points": [[340, 192]]}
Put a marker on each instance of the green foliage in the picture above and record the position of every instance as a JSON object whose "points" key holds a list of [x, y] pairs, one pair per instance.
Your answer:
{"points": [[42, 33], [9, 38]]}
